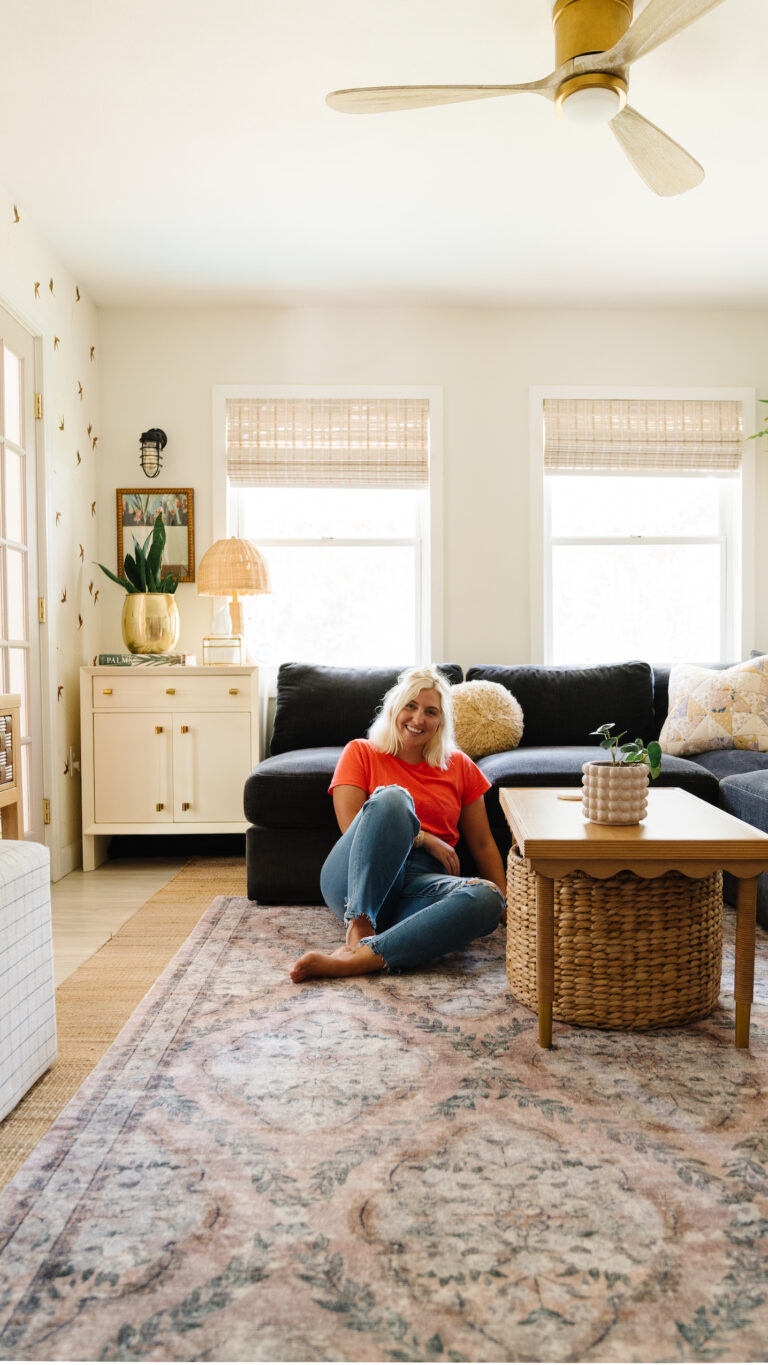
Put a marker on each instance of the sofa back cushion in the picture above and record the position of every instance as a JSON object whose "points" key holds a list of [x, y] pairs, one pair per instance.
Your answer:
{"points": [[563, 705], [319, 705]]}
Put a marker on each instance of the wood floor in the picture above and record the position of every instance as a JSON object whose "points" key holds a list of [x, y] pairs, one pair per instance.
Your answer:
{"points": [[89, 907]]}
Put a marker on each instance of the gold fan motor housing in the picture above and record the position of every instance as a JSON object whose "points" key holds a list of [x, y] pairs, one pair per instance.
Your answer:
{"points": [[583, 27], [586, 26]]}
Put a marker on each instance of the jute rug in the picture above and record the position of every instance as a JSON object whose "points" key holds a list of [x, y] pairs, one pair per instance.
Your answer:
{"points": [[95, 1001], [390, 1168]]}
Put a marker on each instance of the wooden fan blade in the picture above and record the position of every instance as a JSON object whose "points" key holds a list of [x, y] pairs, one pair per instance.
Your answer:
{"points": [[659, 21], [663, 164], [379, 99]]}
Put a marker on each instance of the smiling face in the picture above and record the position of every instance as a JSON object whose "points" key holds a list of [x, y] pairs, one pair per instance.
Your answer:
{"points": [[417, 722]]}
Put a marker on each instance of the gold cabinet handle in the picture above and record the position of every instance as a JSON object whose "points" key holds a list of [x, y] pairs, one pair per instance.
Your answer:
{"points": [[158, 729], [185, 805], [107, 691], [185, 729], [233, 691], [170, 691], [159, 806]]}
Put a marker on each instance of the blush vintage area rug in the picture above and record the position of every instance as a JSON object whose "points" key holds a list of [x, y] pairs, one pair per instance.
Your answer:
{"points": [[391, 1169]]}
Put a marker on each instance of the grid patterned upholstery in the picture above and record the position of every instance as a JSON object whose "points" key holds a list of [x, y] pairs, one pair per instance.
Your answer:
{"points": [[27, 1004]]}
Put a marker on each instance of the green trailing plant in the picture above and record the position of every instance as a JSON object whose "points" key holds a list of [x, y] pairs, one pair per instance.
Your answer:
{"points": [[757, 434], [142, 571], [634, 751]]}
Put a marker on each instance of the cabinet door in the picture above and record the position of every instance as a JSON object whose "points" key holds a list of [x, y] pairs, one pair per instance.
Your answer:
{"points": [[132, 754], [211, 760]]}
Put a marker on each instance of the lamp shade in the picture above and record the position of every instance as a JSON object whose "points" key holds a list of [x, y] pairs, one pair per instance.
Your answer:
{"points": [[232, 567]]}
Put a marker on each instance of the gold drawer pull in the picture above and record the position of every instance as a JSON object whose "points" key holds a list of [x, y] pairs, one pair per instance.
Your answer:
{"points": [[185, 805], [107, 691], [158, 729], [170, 691], [159, 806], [185, 729], [233, 691]]}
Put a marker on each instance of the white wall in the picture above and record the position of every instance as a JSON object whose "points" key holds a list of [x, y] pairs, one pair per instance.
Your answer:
{"points": [[159, 367], [38, 289]]}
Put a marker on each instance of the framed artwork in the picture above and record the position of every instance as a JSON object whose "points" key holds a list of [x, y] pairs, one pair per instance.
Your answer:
{"points": [[136, 513]]}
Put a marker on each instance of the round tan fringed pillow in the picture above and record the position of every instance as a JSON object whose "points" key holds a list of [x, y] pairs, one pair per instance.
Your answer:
{"points": [[486, 717]]}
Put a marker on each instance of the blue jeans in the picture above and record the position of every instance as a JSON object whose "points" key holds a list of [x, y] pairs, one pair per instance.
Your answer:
{"points": [[417, 910]]}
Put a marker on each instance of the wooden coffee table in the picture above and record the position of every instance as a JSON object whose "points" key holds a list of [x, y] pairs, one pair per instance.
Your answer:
{"points": [[680, 833]]}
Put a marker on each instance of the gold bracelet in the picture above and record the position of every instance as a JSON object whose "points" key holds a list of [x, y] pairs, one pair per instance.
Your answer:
{"points": [[419, 840]]}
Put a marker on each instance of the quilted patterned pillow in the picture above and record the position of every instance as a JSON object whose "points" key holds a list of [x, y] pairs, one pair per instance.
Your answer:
{"points": [[717, 708]]}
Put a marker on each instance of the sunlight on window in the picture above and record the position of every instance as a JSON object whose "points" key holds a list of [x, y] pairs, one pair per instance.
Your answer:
{"points": [[600, 505], [654, 602], [335, 605], [334, 602]]}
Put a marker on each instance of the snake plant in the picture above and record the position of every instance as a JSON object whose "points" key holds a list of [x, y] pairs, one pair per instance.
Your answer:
{"points": [[142, 569]]}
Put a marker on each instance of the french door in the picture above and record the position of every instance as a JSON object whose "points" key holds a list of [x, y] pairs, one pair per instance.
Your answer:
{"points": [[19, 647]]}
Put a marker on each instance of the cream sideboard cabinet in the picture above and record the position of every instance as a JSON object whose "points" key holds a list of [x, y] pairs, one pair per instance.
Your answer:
{"points": [[165, 750]]}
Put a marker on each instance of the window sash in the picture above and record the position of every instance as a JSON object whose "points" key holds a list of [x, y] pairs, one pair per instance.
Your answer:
{"points": [[727, 538]]}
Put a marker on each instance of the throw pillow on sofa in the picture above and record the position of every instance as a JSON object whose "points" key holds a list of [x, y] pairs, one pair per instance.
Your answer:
{"points": [[487, 719], [717, 708]]}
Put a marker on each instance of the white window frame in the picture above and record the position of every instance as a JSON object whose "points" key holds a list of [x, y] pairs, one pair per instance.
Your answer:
{"points": [[429, 568], [738, 628]]}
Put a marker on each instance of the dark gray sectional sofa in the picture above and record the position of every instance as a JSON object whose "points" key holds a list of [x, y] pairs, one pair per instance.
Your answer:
{"points": [[319, 709]]}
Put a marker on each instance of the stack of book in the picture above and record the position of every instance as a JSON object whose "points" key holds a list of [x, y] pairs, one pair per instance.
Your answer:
{"points": [[147, 660]]}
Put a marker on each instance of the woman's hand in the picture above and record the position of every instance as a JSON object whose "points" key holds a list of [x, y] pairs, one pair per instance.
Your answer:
{"points": [[443, 852]]}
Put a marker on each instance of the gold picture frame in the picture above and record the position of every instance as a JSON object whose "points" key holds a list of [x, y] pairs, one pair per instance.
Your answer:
{"points": [[136, 513]]}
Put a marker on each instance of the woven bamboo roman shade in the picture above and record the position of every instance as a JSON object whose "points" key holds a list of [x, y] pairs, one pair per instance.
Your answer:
{"points": [[328, 442], [642, 435]]}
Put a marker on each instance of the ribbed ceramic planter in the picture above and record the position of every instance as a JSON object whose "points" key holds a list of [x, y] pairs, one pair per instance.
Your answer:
{"points": [[150, 622], [614, 794]]}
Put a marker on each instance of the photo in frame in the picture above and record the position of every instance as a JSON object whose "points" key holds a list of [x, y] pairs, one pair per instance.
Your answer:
{"points": [[136, 513]]}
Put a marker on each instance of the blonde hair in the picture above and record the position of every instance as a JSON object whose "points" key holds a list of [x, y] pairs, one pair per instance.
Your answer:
{"points": [[383, 732]]}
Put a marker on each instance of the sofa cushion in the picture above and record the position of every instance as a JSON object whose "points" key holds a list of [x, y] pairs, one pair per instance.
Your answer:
{"points": [[562, 705], [717, 708], [290, 791], [745, 795], [729, 762], [318, 705]]}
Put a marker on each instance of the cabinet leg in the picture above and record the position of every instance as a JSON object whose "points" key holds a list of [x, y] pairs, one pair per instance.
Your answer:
{"points": [[94, 851]]}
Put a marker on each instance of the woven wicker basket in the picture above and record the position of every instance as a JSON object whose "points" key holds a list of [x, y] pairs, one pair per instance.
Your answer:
{"points": [[629, 953]]}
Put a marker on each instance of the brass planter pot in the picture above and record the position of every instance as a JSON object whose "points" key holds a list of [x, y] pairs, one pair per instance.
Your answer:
{"points": [[150, 622]]}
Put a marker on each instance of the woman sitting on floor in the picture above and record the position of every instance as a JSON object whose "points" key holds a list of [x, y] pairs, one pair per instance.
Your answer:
{"points": [[402, 797]]}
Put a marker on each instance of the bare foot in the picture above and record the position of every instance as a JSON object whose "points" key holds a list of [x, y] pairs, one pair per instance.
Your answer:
{"points": [[357, 929], [344, 962]]}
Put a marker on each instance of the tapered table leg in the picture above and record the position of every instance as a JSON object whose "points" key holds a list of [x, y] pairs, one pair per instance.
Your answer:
{"points": [[744, 970], [545, 955]]}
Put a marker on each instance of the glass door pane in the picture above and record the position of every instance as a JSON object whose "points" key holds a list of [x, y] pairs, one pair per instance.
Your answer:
{"points": [[19, 654]]}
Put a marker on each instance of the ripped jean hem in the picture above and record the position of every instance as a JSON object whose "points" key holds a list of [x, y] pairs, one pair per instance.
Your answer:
{"points": [[351, 915], [370, 942]]}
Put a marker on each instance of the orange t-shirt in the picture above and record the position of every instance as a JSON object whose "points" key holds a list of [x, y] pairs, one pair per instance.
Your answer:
{"points": [[438, 793]]}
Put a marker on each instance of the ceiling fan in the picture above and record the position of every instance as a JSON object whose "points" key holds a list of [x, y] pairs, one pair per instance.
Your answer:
{"points": [[596, 42]]}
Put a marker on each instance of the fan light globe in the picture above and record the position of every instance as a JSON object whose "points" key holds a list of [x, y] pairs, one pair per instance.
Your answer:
{"points": [[597, 104]]}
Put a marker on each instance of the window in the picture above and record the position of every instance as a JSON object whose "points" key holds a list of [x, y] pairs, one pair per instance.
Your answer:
{"points": [[335, 491], [642, 529]]}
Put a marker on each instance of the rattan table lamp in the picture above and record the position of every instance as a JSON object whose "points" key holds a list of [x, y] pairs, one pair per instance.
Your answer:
{"points": [[233, 568]]}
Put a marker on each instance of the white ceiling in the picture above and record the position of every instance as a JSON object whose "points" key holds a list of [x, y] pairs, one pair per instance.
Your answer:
{"points": [[182, 151]]}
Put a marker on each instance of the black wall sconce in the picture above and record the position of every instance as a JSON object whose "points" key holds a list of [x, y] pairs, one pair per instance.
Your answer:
{"points": [[152, 443]]}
